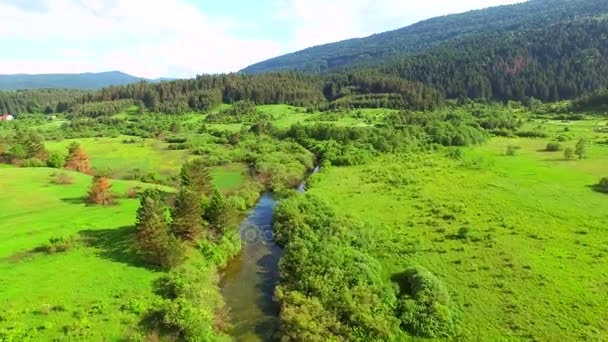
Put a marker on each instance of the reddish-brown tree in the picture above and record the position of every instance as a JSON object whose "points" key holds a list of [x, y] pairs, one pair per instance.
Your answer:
{"points": [[100, 192], [77, 160]]}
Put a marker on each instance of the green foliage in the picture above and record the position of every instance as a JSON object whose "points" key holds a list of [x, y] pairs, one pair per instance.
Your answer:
{"points": [[569, 153], [553, 147], [424, 304], [581, 148], [154, 241], [189, 310], [187, 215], [194, 175], [511, 151], [55, 160], [102, 108], [315, 249], [58, 244]]}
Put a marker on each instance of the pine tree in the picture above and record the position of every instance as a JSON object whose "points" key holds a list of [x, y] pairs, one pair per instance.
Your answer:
{"points": [[187, 215], [195, 176], [100, 191], [218, 214], [77, 159], [154, 241]]}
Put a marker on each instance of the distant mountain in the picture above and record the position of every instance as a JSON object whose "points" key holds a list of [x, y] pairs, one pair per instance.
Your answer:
{"points": [[67, 81], [420, 37]]}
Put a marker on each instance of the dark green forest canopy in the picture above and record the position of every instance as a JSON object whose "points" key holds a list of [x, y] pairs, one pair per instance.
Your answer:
{"points": [[36, 101], [206, 92]]}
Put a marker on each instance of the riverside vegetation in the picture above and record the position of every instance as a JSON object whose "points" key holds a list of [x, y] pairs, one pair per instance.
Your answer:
{"points": [[395, 220]]}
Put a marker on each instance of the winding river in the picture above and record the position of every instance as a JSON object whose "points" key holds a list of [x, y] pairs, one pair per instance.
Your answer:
{"points": [[249, 280]]}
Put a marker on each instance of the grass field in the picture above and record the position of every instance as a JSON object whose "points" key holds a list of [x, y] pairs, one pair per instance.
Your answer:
{"points": [[520, 241], [146, 156], [79, 293]]}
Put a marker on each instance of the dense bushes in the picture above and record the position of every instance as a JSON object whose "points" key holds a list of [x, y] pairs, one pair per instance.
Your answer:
{"points": [[330, 289], [424, 304], [318, 261], [192, 301]]}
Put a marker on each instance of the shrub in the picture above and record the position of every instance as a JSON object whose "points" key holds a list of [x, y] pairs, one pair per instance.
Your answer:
{"points": [[55, 160], [424, 304], [511, 150], [133, 192], [100, 192], [62, 178], [568, 153], [553, 147], [33, 162], [603, 185], [57, 245]]}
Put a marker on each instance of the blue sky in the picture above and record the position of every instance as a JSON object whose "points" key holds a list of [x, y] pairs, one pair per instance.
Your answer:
{"points": [[182, 38]]}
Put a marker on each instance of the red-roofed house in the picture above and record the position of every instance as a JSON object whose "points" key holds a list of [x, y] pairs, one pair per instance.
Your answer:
{"points": [[7, 117]]}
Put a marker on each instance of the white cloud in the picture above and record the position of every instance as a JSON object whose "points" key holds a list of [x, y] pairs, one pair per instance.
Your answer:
{"points": [[149, 38], [153, 38]]}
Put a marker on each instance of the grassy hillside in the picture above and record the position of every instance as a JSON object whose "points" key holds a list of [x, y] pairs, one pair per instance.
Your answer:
{"points": [[517, 240]]}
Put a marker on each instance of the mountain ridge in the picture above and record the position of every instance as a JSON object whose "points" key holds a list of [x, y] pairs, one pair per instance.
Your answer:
{"points": [[85, 81]]}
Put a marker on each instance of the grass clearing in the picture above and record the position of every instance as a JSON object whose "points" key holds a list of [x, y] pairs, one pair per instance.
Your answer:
{"points": [[79, 293], [519, 241]]}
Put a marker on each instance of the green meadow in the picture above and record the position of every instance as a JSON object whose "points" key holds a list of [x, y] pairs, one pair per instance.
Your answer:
{"points": [[519, 241], [97, 290]]}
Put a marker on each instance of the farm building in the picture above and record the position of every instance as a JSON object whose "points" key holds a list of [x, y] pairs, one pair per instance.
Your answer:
{"points": [[7, 117]]}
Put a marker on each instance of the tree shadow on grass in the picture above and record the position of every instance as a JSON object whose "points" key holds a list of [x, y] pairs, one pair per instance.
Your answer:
{"points": [[75, 200], [115, 244], [598, 188]]}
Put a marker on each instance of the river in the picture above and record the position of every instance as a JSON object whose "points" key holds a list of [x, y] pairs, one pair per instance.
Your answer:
{"points": [[249, 280]]}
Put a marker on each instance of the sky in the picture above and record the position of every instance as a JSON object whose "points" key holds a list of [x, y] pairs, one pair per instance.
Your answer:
{"points": [[183, 38]]}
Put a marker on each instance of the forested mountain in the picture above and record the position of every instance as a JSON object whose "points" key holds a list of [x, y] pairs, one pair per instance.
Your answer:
{"points": [[561, 61], [66, 81], [417, 38]]}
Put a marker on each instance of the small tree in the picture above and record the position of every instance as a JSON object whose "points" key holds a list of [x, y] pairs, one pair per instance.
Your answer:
{"points": [[55, 161], [568, 153], [154, 241], [187, 215], [194, 175], [553, 147], [100, 191], [581, 149], [77, 159], [511, 150]]}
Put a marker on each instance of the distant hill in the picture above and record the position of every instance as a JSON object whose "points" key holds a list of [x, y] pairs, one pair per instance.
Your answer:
{"points": [[420, 37], [67, 81]]}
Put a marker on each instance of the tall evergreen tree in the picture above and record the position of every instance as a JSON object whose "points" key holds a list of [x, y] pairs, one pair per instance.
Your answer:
{"points": [[219, 215], [154, 241], [196, 176], [187, 215]]}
